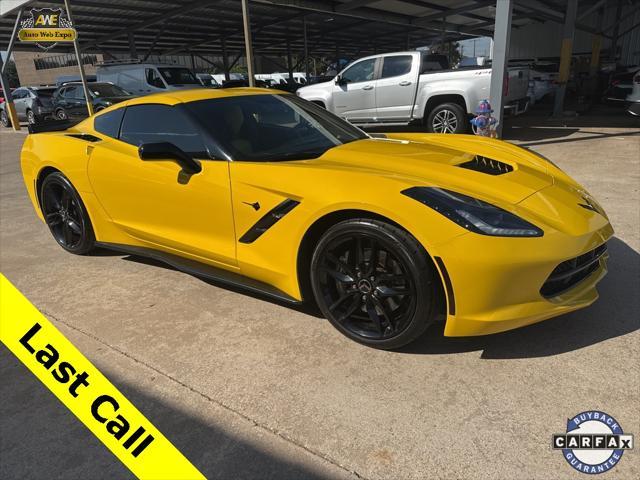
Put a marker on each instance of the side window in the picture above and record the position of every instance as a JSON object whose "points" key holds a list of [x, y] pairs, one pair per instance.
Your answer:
{"points": [[396, 66], [69, 92], [161, 123], [78, 93], [153, 78], [18, 94], [360, 72], [109, 123]]}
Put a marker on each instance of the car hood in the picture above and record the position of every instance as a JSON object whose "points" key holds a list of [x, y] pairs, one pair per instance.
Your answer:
{"points": [[448, 161]]}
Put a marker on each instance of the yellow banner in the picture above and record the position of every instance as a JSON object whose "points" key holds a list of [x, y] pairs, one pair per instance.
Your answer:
{"points": [[47, 35], [86, 392]]}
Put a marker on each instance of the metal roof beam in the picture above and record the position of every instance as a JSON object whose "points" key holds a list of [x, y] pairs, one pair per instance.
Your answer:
{"points": [[152, 21]]}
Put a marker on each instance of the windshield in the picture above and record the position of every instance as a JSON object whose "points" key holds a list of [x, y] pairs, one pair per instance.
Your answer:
{"points": [[178, 76], [272, 127], [107, 90]]}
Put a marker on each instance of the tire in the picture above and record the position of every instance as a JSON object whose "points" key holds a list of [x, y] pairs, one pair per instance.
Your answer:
{"points": [[31, 117], [4, 119], [386, 305], [66, 215], [447, 118], [61, 114]]}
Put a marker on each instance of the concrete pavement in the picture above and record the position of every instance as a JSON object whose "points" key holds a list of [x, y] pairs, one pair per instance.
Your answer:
{"points": [[248, 388]]}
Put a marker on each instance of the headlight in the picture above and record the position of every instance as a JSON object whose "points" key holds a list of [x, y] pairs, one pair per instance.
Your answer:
{"points": [[473, 214]]}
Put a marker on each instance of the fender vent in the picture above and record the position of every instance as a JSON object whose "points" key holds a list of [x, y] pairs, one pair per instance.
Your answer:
{"points": [[487, 165], [84, 136]]}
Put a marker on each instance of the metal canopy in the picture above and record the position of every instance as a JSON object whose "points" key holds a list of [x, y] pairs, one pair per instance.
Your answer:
{"points": [[357, 27]]}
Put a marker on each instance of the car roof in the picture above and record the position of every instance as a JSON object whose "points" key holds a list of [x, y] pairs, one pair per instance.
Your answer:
{"points": [[174, 97]]}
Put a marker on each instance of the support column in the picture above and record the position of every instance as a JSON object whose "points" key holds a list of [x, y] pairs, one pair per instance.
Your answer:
{"points": [[566, 52], [306, 48], [616, 31], [501, 37], [225, 58], [248, 42], [83, 77], [289, 61], [9, 107], [596, 44]]}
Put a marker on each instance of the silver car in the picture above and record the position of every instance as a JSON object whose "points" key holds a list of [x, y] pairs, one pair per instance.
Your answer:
{"points": [[33, 104]]}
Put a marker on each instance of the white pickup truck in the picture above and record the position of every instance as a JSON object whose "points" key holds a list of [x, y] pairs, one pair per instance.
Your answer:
{"points": [[413, 87]]}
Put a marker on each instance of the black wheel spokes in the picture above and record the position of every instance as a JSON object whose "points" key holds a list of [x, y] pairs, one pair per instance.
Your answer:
{"points": [[366, 287], [62, 215]]}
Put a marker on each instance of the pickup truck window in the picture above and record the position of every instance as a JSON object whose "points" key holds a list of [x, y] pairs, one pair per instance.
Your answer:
{"points": [[396, 65], [432, 63], [360, 72]]}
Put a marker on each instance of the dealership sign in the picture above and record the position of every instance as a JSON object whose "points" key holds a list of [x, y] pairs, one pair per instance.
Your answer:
{"points": [[46, 27]]}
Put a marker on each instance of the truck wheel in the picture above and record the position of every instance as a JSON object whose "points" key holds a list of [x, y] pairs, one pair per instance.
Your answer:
{"points": [[447, 118]]}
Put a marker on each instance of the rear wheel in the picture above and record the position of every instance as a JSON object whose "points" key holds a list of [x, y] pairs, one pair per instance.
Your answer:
{"points": [[66, 215], [61, 114], [374, 282], [4, 119], [447, 118]]}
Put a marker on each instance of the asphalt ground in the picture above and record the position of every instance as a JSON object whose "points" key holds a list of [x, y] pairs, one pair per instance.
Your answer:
{"points": [[249, 388]]}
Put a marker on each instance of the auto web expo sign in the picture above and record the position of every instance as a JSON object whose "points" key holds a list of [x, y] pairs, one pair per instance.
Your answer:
{"points": [[46, 27]]}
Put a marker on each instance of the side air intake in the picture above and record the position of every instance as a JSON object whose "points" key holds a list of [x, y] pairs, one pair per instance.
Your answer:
{"points": [[487, 165]]}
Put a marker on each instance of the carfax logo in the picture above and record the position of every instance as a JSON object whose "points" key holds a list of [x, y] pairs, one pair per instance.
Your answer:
{"points": [[46, 27], [594, 442]]}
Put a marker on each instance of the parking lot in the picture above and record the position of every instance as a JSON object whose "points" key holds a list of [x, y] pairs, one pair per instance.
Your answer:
{"points": [[249, 388]]}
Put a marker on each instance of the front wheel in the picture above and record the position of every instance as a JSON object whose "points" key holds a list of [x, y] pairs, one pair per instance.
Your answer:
{"points": [[66, 215], [4, 119], [374, 282], [31, 117], [447, 118]]}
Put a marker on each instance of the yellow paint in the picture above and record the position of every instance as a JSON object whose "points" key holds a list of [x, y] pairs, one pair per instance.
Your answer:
{"points": [[566, 51], [496, 280], [86, 392]]}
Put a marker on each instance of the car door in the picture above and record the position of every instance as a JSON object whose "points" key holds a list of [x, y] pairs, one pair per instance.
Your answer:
{"points": [[78, 104], [20, 102], [154, 201], [354, 96], [395, 88]]}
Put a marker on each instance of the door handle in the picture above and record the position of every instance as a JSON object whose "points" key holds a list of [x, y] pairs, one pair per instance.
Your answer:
{"points": [[405, 83], [368, 87]]}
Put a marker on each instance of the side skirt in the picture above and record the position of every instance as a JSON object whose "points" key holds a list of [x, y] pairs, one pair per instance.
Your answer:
{"points": [[202, 270]]}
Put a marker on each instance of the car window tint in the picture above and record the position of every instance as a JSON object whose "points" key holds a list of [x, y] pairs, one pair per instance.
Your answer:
{"points": [[272, 127], [70, 92], [360, 72], [161, 123], [109, 123], [396, 65]]}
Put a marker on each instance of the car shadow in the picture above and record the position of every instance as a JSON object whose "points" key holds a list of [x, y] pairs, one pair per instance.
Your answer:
{"points": [[40, 438], [613, 315]]}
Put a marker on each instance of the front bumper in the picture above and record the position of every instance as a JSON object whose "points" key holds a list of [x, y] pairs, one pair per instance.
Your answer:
{"points": [[496, 282]]}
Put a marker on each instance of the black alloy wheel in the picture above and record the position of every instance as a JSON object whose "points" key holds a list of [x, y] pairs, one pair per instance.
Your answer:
{"points": [[61, 114], [374, 282], [66, 215]]}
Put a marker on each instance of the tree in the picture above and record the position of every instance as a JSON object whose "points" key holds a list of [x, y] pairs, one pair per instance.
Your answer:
{"points": [[450, 49]]}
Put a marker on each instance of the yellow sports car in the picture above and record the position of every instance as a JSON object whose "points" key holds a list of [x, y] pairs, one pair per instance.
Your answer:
{"points": [[387, 233]]}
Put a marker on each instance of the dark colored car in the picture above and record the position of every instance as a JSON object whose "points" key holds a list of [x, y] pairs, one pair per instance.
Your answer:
{"points": [[69, 100], [32, 104]]}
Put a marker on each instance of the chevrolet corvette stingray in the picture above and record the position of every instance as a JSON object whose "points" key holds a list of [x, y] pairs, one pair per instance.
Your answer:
{"points": [[386, 233]]}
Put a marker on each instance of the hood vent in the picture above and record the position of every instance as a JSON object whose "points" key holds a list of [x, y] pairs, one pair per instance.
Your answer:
{"points": [[487, 165]]}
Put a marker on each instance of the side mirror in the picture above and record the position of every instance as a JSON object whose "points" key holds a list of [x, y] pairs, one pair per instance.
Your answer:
{"points": [[168, 151], [339, 80]]}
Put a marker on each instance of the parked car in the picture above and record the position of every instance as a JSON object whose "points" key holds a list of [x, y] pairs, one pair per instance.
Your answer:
{"points": [[208, 80], [69, 100], [32, 104], [620, 85], [273, 193], [633, 99], [405, 87], [62, 79], [146, 78]]}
